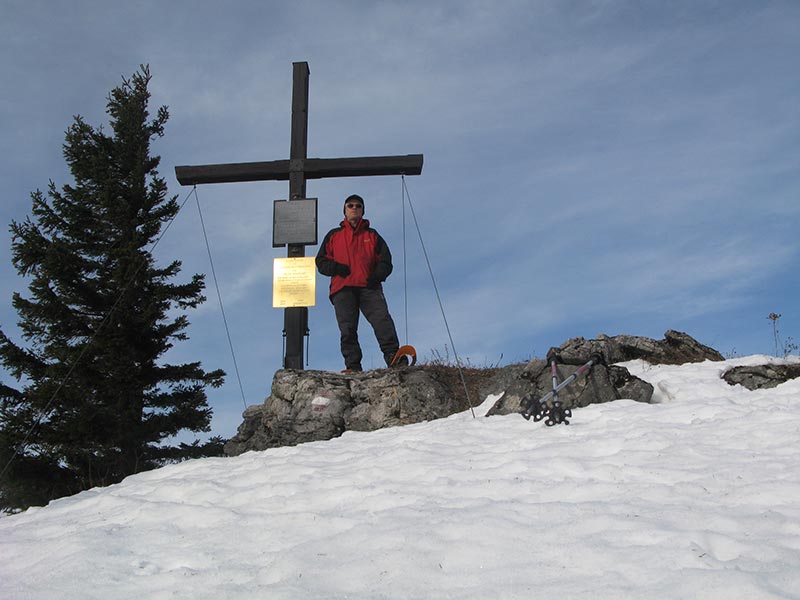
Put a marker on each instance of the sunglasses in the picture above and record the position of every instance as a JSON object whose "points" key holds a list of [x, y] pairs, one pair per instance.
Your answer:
{"points": [[354, 206]]}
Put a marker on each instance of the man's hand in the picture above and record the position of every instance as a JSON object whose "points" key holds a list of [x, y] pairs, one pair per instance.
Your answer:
{"points": [[341, 270], [373, 281]]}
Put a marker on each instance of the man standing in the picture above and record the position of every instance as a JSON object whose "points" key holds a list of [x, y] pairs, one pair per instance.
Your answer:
{"points": [[357, 260]]}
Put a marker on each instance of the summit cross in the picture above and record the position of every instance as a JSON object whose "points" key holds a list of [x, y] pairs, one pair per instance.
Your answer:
{"points": [[297, 170]]}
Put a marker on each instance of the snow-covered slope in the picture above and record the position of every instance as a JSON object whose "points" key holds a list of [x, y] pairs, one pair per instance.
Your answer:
{"points": [[695, 497]]}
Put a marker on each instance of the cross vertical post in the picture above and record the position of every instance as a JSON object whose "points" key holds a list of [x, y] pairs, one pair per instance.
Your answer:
{"points": [[295, 319]]}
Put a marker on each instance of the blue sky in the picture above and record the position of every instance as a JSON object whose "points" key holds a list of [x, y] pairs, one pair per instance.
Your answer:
{"points": [[590, 167]]}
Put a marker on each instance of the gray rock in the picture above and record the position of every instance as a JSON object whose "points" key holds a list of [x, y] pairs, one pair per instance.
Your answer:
{"points": [[628, 386], [676, 348], [601, 384], [500, 380], [307, 406], [761, 376]]}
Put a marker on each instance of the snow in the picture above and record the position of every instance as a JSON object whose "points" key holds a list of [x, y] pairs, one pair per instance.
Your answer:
{"points": [[697, 496]]}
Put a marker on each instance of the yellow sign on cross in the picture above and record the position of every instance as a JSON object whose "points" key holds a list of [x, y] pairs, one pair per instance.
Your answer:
{"points": [[294, 282]]}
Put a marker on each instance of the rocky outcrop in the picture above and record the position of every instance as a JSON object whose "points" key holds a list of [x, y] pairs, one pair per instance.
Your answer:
{"points": [[761, 376], [603, 383], [307, 406], [676, 348]]}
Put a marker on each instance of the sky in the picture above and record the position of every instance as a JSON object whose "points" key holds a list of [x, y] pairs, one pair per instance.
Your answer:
{"points": [[591, 167], [694, 496]]}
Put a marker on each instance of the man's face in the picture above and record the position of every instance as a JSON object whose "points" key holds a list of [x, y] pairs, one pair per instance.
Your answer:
{"points": [[353, 210]]}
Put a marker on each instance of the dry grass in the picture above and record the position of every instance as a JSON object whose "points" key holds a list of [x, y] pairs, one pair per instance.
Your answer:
{"points": [[450, 374]]}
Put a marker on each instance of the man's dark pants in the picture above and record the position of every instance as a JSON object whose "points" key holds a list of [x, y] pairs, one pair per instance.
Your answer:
{"points": [[371, 302]]}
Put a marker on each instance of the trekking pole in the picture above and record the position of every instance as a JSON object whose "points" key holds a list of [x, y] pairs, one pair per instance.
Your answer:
{"points": [[549, 406]]}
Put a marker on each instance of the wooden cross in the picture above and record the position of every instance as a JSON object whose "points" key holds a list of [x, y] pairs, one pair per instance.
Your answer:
{"points": [[297, 170]]}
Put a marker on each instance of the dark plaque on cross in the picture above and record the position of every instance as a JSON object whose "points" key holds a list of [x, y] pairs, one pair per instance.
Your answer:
{"points": [[297, 170], [294, 222]]}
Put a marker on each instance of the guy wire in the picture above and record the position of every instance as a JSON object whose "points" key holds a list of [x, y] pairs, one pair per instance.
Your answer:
{"points": [[438, 298], [219, 296]]}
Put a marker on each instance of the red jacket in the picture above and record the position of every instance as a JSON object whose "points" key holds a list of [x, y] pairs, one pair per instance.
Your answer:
{"points": [[362, 249]]}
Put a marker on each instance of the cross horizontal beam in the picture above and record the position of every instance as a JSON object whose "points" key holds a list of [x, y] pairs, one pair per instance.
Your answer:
{"points": [[313, 168]]}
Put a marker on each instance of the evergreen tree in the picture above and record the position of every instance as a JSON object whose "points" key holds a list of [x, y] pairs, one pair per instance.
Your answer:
{"points": [[94, 402]]}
